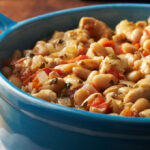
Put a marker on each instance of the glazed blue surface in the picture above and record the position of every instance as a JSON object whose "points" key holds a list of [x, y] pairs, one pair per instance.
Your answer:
{"points": [[29, 123]]}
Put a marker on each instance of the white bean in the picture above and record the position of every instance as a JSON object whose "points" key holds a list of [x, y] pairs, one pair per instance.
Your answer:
{"points": [[128, 48], [145, 113], [124, 90], [56, 84], [140, 104], [103, 81], [136, 34], [91, 98], [114, 114], [41, 48], [116, 106], [134, 76], [90, 64], [113, 88], [15, 80], [67, 68], [128, 105], [47, 95], [66, 101], [97, 110], [80, 95], [91, 75], [96, 50], [81, 72], [146, 44], [144, 82]]}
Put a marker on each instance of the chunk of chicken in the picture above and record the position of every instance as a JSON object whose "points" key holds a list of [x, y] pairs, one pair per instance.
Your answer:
{"points": [[131, 31], [126, 28], [110, 62], [144, 65], [77, 35], [128, 60], [97, 29]]}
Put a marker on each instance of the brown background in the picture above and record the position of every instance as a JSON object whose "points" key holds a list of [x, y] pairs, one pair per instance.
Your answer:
{"points": [[22, 9]]}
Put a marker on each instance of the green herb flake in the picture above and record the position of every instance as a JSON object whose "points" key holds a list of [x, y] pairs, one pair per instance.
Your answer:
{"points": [[68, 85], [60, 41]]}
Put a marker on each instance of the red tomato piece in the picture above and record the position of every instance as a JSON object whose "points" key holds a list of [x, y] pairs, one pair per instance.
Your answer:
{"points": [[146, 52], [105, 106], [57, 70], [98, 100], [137, 45], [35, 83], [127, 113], [82, 50], [109, 43], [116, 73]]}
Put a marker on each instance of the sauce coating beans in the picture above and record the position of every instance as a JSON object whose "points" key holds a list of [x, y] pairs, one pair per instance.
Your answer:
{"points": [[91, 68]]}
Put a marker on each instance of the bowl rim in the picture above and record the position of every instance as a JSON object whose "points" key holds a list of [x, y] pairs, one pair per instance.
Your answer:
{"points": [[60, 108]]}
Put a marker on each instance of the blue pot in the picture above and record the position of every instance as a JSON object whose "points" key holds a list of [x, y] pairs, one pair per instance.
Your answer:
{"points": [[28, 123]]}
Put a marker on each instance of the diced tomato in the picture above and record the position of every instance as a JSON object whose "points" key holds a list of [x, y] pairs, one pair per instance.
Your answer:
{"points": [[57, 70], [14, 62], [127, 112], [146, 52], [119, 50], [82, 50], [36, 84], [104, 106], [25, 73], [98, 100], [95, 87], [29, 78], [47, 71], [109, 43], [26, 81], [137, 45], [81, 57], [115, 72], [64, 61]]}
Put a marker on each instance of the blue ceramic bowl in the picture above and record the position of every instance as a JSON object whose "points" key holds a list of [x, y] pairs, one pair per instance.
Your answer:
{"points": [[28, 123]]}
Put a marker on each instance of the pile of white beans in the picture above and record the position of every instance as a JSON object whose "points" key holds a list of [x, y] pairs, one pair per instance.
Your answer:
{"points": [[92, 67]]}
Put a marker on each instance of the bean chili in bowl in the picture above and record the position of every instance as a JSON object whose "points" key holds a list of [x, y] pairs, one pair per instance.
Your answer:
{"points": [[92, 68]]}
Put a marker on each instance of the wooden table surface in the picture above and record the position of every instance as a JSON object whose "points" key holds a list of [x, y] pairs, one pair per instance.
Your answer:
{"points": [[22, 9]]}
